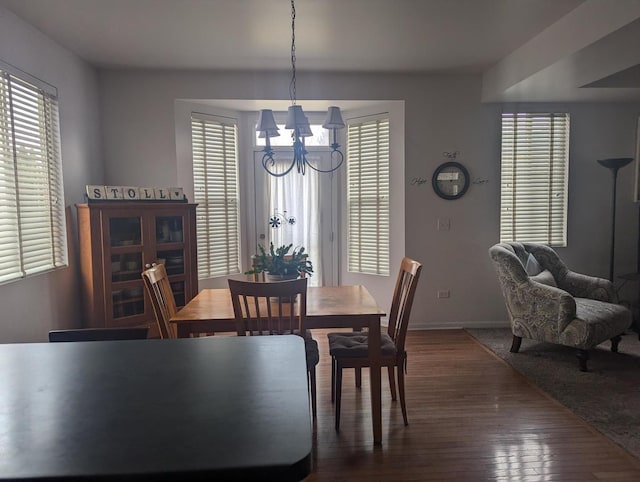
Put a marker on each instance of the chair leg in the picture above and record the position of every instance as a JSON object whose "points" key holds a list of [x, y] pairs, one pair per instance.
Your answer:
{"points": [[515, 344], [392, 381], [583, 356], [403, 403], [358, 370], [338, 393], [333, 379], [312, 386], [614, 343]]}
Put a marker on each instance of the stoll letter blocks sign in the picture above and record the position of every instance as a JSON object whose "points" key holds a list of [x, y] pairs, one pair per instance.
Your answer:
{"points": [[132, 193]]}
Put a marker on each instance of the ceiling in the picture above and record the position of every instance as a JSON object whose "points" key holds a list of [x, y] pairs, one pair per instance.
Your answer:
{"points": [[525, 49]]}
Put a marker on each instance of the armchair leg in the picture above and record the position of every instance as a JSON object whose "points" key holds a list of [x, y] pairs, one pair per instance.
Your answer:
{"points": [[583, 356], [614, 343], [515, 344]]}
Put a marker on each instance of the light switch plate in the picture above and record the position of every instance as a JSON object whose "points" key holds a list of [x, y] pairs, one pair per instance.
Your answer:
{"points": [[444, 224]]}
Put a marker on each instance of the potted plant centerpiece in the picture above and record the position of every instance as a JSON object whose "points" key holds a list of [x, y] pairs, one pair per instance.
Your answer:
{"points": [[277, 264]]}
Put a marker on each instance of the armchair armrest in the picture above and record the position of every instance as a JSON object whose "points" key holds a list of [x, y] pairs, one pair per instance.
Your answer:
{"points": [[541, 308], [584, 286]]}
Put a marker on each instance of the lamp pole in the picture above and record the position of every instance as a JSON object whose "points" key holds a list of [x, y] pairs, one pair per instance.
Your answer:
{"points": [[614, 164]]}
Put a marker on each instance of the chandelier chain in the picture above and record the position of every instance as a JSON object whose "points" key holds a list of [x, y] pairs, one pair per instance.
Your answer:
{"points": [[292, 85], [298, 123]]}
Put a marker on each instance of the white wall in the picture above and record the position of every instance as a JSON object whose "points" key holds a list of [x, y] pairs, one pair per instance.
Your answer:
{"points": [[442, 113], [32, 307]]}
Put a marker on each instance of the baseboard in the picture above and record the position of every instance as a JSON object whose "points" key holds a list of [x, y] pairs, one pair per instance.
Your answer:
{"points": [[458, 325]]}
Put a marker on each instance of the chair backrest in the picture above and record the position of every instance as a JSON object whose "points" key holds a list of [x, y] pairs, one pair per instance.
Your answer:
{"points": [[162, 300], [271, 308], [402, 301], [548, 259], [514, 266], [98, 334], [509, 260]]}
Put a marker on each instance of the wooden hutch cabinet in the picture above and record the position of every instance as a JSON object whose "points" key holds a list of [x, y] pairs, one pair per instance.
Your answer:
{"points": [[117, 241]]}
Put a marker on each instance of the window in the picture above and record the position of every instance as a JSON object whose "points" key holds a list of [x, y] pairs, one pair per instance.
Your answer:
{"points": [[215, 185], [535, 169], [368, 195], [32, 218]]}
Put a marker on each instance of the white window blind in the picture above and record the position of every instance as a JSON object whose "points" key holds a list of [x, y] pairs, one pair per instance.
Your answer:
{"points": [[215, 184], [368, 195], [32, 217], [535, 168]]}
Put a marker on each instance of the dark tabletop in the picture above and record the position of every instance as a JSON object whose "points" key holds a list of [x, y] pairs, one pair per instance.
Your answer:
{"points": [[186, 409]]}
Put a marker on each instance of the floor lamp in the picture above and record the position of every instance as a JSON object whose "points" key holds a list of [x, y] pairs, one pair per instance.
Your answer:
{"points": [[614, 164]]}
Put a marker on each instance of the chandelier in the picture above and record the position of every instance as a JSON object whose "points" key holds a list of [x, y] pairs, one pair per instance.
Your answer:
{"points": [[298, 122]]}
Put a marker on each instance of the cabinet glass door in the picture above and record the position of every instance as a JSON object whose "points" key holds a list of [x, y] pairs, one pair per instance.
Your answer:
{"points": [[178, 292], [127, 301], [125, 264], [125, 231], [173, 261], [169, 229], [170, 248]]}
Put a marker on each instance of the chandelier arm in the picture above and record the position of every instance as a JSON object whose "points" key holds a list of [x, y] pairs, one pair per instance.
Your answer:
{"points": [[299, 153], [339, 156], [301, 163], [267, 158]]}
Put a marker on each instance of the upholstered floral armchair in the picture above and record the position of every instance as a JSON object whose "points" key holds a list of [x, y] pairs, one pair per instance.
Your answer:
{"points": [[548, 302]]}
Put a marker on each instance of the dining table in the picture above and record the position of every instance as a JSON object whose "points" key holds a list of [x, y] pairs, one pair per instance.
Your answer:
{"points": [[211, 408], [352, 306]]}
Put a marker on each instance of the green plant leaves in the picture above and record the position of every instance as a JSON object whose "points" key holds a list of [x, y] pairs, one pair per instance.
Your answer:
{"points": [[278, 261]]}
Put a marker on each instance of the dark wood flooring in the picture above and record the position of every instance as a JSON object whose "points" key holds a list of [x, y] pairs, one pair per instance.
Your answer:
{"points": [[471, 418]]}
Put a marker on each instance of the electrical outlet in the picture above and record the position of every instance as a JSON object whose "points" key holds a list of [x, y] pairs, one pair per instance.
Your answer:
{"points": [[443, 294]]}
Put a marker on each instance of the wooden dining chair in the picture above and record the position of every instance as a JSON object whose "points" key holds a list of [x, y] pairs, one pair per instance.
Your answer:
{"points": [[351, 350], [276, 308], [162, 300], [99, 334]]}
